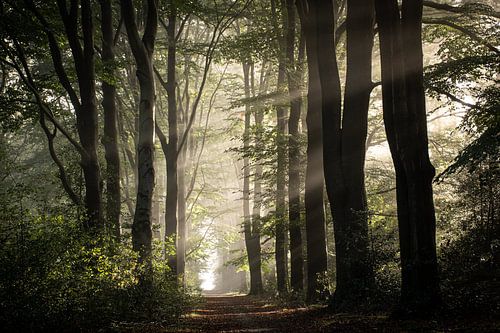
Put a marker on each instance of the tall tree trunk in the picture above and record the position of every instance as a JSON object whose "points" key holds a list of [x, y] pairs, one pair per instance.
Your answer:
{"points": [[181, 206], [280, 248], [354, 285], [315, 214], [280, 231], [110, 139], [87, 122], [182, 167], [171, 157], [293, 73], [344, 145], [250, 227], [406, 129], [85, 104], [142, 50], [86, 108]]}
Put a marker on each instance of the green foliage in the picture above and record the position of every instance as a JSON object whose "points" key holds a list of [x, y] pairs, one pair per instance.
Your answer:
{"points": [[470, 242], [254, 39], [469, 76], [55, 277], [483, 123]]}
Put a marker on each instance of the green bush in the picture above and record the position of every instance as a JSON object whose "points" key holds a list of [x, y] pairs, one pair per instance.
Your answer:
{"points": [[54, 277], [469, 252]]}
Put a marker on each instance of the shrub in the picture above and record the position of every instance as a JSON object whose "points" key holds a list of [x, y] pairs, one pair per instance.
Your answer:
{"points": [[55, 277]]}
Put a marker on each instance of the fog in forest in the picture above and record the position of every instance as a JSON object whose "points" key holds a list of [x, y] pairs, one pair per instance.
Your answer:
{"points": [[249, 165]]}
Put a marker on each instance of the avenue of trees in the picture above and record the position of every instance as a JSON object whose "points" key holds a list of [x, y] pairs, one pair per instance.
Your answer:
{"points": [[342, 152]]}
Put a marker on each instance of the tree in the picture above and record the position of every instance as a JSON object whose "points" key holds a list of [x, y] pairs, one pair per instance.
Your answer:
{"points": [[315, 215], [142, 50], [251, 224], [280, 228], [344, 144], [110, 139], [294, 74], [85, 105], [406, 129], [173, 146]]}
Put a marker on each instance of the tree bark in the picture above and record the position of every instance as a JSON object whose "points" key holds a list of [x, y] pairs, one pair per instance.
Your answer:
{"points": [[344, 145], [142, 50], [181, 206], [182, 167], [110, 139], [87, 123], [171, 156], [250, 226], [315, 215], [280, 246], [294, 227], [85, 104], [280, 229], [406, 129]]}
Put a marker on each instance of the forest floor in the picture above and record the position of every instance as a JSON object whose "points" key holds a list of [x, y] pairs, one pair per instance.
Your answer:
{"points": [[237, 313], [251, 314]]}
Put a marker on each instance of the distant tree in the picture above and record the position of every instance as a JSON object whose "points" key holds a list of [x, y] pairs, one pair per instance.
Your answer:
{"points": [[251, 223]]}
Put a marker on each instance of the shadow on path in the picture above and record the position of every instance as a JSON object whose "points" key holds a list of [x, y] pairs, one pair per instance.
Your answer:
{"points": [[225, 313]]}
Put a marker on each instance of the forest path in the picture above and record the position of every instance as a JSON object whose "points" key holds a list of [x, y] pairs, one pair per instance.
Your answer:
{"points": [[248, 314], [226, 313]]}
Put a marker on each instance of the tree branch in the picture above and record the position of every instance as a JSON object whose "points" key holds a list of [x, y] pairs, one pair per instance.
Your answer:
{"points": [[62, 171], [151, 26], [30, 84], [463, 30], [56, 56], [464, 9], [451, 96], [222, 25]]}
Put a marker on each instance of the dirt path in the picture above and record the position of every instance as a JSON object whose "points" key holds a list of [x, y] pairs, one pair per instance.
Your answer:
{"points": [[250, 314], [247, 314]]}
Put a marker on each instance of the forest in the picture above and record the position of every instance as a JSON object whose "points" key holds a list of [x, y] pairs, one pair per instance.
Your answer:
{"points": [[249, 165]]}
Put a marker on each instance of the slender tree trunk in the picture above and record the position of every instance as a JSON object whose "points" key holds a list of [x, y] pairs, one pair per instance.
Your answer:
{"points": [[142, 49], [315, 215], [293, 73], [257, 190], [280, 231], [87, 123], [406, 128], [171, 157], [251, 228], [110, 139], [181, 206], [280, 248], [183, 166]]}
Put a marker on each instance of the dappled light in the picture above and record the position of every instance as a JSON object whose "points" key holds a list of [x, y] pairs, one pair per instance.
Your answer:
{"points": [[249, 166]]}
